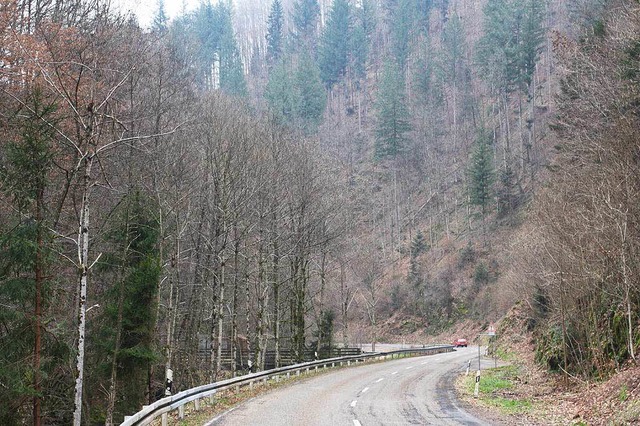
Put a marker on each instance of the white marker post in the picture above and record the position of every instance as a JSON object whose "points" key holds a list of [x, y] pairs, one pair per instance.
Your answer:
{"points": [[476, 391], [468, 367]]}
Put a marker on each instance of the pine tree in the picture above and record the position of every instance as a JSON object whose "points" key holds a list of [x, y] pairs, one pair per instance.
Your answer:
{"points": [[275, 32], [360, 38], [334, 45], [392, 113], [311, 96], [481, 174]]}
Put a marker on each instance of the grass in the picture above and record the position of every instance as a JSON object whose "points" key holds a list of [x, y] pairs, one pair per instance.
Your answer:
{"points": [[496, 387]]}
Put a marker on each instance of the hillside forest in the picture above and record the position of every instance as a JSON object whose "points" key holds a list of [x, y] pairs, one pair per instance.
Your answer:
{"points": [[254, 181]]}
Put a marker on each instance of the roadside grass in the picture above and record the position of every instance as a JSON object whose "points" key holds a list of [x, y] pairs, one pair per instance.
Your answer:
{"points": [[496, 389]]}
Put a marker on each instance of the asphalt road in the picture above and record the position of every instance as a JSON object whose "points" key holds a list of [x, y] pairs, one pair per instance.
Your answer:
{"points": [[409, 391]]}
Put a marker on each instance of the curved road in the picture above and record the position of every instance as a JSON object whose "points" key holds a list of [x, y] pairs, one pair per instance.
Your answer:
{"points": [[409, 391]]}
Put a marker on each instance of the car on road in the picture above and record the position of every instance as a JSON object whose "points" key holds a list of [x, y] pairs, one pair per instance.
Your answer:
{"points": [[460, 343]]}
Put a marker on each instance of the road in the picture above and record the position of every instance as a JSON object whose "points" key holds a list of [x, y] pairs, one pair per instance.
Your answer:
{"points": [[409, 391]]}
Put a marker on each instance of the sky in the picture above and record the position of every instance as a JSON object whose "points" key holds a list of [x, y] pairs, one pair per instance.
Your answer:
{"points": [[145, 9]]}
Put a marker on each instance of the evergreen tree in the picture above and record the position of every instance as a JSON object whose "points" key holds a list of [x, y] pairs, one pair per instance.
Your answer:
{"points": [[510, 46], [275, 32], [334, 47], [360, 38], [392, 113], [306, 14], [232, 79], [31, 354], [401, 15], [160, 20], [280, 94], [129, 315], [418, 245], [481, 174], [311, 99]]}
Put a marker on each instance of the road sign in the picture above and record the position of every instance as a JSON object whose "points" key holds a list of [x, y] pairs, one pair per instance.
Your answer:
{"points": [[491, 331]]}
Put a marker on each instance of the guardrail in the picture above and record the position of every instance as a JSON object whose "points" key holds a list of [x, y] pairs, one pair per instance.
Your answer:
{"points": [[165, 405]]}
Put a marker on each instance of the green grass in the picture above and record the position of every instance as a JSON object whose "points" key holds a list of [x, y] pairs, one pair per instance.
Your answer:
{"points": [[495, 387]]}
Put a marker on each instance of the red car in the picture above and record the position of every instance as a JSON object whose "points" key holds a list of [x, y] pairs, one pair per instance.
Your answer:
{"points": [[460, 343]]}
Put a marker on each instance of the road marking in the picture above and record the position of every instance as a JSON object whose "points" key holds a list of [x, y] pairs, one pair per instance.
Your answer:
{"points": [[356, 423], [215, 419], [354, 402], [395, 372], [410, 367], [379, 380], [364, 390]]}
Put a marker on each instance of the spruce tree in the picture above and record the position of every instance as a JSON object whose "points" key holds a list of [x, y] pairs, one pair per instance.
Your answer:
{"points": [[160, 20], [481, 174], [392, 114], [275, 32], [30, 354], [231, 67], [306, 15], [280, 94], [334, 47], [311, 96]]}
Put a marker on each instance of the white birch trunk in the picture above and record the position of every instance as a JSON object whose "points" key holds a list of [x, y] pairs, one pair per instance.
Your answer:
{"points": [[83, 257]]}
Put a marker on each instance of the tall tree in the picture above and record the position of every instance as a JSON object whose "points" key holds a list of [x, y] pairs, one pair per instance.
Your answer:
{"points": [[311, 96], [481, 174], [306, 16], [392, 113], [334, 45], [275, 32]]}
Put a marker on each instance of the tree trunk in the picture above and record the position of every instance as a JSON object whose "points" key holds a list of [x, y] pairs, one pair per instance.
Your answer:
{"points": [[83, 255], [39, 272]]}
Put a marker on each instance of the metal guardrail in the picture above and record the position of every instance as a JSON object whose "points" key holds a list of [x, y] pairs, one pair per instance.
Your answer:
{"points": [[163, 406]]}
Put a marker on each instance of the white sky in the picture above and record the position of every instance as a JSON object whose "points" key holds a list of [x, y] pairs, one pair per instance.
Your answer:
{"points": [[145, 9]]}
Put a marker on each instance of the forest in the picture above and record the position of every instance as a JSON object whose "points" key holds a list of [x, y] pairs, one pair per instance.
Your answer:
{"points": [[251, 182]]}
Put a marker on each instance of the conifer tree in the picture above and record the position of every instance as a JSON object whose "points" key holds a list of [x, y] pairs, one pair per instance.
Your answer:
{"points": [[306, 14], [231, 68], [334, 47], [160, 20], [275, 32], [311, 96], [392, 113], [280, 94], [481, 174], [25, 250]]}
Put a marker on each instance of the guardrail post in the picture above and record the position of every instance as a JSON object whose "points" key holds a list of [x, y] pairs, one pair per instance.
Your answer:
{"points": [[277, 379], [181, 412], [316, 368], [165, 419], [297, 372], [333, 364], [288, 374], [251, 385], [349, 362]]}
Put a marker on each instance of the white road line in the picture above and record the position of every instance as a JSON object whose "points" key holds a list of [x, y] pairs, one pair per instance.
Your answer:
{"points": [[379, 380], [354, 402], [395, 372], [356, 423], [364, 390], [410, 367]]}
